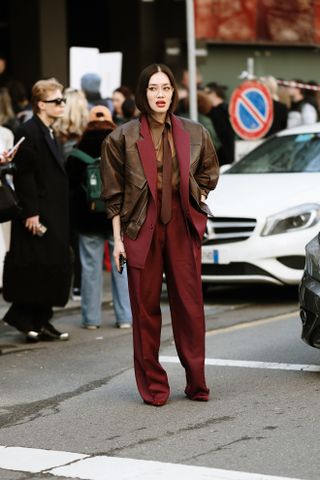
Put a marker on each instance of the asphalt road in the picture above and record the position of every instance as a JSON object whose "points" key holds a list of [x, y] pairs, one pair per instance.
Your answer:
{"points": [[80, 396]]}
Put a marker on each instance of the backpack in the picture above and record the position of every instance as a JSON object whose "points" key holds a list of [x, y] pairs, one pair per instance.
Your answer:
{"points": [[92, 184]]}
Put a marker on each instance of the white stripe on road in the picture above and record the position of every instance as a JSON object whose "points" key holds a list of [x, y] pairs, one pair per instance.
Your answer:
{"points": [[75, 465], [34, 460], [253, 323], [224, 362]]}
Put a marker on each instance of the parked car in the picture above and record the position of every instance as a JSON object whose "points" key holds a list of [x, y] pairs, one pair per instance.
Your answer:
{"points": [[309, 294], [266, 208]]}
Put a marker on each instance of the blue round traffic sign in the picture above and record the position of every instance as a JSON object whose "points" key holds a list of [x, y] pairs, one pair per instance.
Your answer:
{"points": [[251, 110]]}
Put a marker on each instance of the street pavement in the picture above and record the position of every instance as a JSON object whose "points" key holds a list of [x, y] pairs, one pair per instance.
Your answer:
{"points": [[71, 409]]}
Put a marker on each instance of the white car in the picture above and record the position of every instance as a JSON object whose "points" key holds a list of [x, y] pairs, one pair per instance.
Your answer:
{"points": [[266, 208]]}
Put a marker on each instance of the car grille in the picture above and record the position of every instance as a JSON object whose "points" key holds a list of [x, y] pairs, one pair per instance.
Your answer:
{"points": [[228, 229], [233, 269]]}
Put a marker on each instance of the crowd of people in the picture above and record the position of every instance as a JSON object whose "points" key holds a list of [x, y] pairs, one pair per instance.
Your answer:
{"points": [[60, 240], [292, 106]]}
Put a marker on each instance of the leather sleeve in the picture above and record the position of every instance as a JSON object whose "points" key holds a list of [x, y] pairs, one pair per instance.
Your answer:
{"points": [[207, 173], [112, 172]]}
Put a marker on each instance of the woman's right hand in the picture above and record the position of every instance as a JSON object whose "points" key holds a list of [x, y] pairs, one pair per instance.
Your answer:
{"points": [[6, 156], [117, 251]]}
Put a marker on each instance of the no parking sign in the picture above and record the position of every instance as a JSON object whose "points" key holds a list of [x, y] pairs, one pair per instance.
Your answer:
{"points": [[251, 110]]}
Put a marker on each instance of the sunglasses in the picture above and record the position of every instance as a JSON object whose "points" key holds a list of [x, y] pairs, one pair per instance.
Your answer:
{"points": [[56, 101]]}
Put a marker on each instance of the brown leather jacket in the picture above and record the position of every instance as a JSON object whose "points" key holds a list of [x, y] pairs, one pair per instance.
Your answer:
{"points": [[125, 187]]}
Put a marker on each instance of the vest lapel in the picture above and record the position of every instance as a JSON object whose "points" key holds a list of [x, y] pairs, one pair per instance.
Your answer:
{"points": [[148, 156], [182, 144]]}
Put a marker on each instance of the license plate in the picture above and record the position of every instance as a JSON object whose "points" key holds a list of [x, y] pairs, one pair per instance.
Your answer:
{"points": [[210, 256]]}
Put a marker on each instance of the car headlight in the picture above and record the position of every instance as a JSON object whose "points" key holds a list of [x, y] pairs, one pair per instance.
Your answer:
{"points": [[292, 220]]}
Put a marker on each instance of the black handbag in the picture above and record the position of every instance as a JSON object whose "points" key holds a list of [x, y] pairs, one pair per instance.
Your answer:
{"points": [[9, 204]]}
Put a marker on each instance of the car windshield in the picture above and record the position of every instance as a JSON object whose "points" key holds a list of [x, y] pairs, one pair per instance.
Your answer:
{"points": [[292, 153]]}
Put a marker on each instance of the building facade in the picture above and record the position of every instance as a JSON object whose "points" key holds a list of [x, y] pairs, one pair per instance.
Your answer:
{"points": [[36, 35]]}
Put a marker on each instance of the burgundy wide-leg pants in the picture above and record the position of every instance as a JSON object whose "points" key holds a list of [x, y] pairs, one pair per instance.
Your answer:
{"points": [[175, 252]]}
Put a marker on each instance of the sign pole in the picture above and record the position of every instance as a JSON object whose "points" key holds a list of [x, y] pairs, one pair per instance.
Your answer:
{"points": [[193, 110], [250, 68]]}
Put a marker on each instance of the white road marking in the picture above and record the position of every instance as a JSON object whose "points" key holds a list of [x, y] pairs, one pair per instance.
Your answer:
{"points": [[224, 362], [254, 323], [34, 460], [75, 465]]}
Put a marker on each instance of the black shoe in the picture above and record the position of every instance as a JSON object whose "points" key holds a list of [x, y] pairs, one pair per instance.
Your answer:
{"points": [[48, 332], [20, 325], [32, 336]]}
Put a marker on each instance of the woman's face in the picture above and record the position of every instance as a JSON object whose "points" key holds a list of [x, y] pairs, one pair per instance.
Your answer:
{"points": [[117, 99], [159, 92]]}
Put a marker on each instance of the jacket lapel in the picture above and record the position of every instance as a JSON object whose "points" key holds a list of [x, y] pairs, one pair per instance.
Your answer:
{"points": [[182, 144], [54, 148], [52, 144], [148, 156]]}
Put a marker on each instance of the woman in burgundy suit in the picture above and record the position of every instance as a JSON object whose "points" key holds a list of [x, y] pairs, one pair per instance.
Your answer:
{"points": [[157, 171]]}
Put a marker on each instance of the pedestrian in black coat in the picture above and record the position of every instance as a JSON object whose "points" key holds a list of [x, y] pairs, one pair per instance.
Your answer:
{"points": [[37, 268], [219, 116]]}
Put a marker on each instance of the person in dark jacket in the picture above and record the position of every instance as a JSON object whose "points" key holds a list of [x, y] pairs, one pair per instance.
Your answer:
{"points": [[37, 267], [303, 109], [219, 116], [119, 96], [94, 229]]}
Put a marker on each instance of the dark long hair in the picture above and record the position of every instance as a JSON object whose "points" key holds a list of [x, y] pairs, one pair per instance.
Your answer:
{"points": [[143, 82]]}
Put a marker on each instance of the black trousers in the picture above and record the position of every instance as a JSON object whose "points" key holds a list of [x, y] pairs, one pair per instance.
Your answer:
{"points": [[28, 317]]}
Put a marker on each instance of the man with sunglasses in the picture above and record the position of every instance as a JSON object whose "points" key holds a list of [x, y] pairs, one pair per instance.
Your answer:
{"points": [[37, 268]]}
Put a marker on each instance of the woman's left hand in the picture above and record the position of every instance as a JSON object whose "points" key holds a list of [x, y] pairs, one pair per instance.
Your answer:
{"points": [[117, 251]]}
